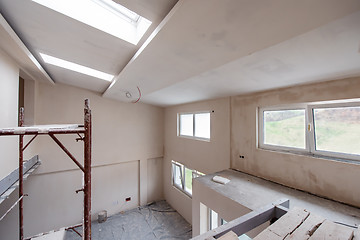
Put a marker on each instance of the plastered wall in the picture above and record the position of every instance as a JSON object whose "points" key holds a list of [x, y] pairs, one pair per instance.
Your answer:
{"points": [[9, 81], [9, 84], [205, 198], [227, 208], [206, 157], [127, 157], [332, 179]]}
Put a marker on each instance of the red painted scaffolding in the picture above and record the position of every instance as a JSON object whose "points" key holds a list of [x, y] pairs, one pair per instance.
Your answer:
{"points": [[83, 132]]}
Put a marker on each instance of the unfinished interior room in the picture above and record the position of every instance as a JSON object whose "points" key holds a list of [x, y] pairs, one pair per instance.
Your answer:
{"points": [[179, 119]]}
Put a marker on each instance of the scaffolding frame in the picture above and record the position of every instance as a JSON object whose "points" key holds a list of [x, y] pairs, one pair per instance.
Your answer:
{"points": [[52, 130]]}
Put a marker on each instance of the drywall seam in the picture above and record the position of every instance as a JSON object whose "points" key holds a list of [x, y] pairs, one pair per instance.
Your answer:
{"points": [[96, 166]]}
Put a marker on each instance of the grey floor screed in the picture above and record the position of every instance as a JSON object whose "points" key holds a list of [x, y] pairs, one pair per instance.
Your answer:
{"points": [[152, 222]]}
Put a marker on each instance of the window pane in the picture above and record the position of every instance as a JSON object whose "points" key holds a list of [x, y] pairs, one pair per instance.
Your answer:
{"points": [[285, 128], [337, 129], [186, 124], [188, 180], [177, 175], [213, 220], [202, 125]]}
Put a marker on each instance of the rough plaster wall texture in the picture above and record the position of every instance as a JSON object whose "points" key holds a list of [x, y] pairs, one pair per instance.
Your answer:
{"points": [[9, 87], [203, 156], [177, 199], [155, 179], [332, 179], [53, 203], [29, 97], [227, 208], [121, 131], [10, 231], [124, 137]]}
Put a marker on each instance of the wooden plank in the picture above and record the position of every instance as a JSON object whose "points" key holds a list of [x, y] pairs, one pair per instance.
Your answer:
{"points": [[246, 222], [268, 235], [285, 225], [52, 235], [229, 236], [332, 231], [307, 228], [357, 234], [42, 129]]}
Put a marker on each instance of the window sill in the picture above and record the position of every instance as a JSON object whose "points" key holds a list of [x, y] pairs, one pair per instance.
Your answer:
{"points": [[195, 138], [305, 154]]}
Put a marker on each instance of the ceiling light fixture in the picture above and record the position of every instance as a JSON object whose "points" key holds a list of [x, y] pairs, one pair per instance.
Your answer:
{"points": [[76, 67], [104, 15], [128, 94]]}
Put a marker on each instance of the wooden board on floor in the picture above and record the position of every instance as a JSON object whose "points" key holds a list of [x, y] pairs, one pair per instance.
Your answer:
{"points": [[299, 224], [332, 231], [229, 236], [357, 234], [307, 228], [54, 235], [285, 225]]}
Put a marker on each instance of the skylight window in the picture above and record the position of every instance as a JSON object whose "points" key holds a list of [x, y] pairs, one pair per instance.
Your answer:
{"points": [[121, 11], [76, 67], [104, 15]]}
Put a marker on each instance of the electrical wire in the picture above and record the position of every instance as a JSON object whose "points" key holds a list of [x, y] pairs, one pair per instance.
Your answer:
{"points": [[139, 96]]}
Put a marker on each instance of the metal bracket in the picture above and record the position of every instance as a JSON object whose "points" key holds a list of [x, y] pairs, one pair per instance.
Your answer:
{"points": [[80, 138], [79, 190]]}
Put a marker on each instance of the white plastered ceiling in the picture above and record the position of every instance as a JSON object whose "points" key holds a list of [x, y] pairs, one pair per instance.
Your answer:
{"points": [[201, 49], [47, 31]]}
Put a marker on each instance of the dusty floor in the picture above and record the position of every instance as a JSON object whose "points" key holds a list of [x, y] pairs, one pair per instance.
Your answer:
{"points": [[153, 222]]}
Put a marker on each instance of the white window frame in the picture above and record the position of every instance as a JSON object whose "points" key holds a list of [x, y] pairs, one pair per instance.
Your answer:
{"points": [[210, 211], [185, 189], [174, 165], [310, 144], [277, 147], [311, 107], [182, 188], [194, 126]]}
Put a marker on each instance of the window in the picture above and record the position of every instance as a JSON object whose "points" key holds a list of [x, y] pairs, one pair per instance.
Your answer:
{"points": [[105, 15], [213, 219], [285, 128], [183, 176], [188, 180], [76, 67], [194, 125], [177, 175], [322, 129], [336, 130], [187, 124]]}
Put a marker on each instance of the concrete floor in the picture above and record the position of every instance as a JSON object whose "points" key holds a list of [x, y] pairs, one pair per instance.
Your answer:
{"points": [[253, 193], [152, 222]]}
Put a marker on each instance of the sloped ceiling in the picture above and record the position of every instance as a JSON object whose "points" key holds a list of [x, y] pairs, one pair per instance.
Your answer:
{"points": [[47, 31], [201, 49]]}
